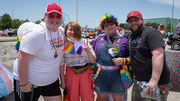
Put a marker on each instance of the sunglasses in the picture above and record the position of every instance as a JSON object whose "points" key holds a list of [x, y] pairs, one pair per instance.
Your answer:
{"points": [[57, 16]]}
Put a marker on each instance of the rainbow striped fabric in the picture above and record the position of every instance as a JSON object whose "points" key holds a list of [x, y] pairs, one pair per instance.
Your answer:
{"points": [[126, 76], [18, 43], [115, 51], [91, 33], [164, 90], [73, 48]]}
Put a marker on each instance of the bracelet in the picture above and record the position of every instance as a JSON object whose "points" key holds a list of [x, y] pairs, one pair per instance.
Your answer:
{"points": [[23, 85]]}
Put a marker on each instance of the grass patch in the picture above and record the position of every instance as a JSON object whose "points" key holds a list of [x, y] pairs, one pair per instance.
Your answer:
{"points": [[7, 40]]}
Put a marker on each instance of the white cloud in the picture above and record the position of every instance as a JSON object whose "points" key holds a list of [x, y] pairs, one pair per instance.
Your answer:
{"points": [[168, 2]]}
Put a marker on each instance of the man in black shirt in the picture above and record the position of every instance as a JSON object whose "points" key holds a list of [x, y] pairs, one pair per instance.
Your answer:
{"points": [[147, 58]]}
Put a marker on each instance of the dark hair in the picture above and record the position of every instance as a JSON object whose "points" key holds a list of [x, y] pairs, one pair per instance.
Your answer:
{"points": [[121, 25], [109, 20], [76, 28]]}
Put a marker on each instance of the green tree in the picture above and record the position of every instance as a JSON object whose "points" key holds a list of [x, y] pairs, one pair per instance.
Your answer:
{"points": [[153, 25], [126, 27], [23, 21], [16, 23], [168, 27], [38, 22], [5, 22]]}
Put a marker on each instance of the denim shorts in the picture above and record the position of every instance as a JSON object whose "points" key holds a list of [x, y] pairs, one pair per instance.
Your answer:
{"points": [[109, 81]]}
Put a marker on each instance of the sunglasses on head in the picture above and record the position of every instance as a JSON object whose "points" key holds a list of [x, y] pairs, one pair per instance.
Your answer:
{"points": [[57, 16]]}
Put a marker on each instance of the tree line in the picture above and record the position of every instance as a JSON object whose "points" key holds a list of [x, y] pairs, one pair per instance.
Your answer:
{"points": [[7, 22], [153, 25]]}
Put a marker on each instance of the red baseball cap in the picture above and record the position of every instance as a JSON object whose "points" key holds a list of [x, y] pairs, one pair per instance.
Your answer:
{"points": [[53, 8], [136, 14]]}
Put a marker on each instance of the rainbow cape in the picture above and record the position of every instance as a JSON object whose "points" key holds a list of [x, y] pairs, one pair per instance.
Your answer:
{"points": [[18, 43], [73, 48]]}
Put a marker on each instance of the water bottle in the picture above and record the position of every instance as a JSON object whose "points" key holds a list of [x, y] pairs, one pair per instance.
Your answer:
{"points": [[145, 94]]}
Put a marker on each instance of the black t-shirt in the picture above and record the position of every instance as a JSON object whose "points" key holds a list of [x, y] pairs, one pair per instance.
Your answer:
{"points": [[141, 45]]}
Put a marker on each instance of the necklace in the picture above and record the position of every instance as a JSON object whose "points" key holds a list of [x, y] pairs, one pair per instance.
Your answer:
{"points": [[55, 45], [112, 51]]}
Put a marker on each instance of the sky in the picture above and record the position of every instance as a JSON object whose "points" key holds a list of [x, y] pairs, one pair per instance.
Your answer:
{"points": [[90, 12]]}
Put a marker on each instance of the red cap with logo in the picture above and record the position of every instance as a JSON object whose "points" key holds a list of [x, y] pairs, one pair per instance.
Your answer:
{"points": [[136, 14], [53, 8]]}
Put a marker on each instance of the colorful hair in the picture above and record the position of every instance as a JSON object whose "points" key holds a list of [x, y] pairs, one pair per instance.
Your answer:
{"points": [[108, 19]]}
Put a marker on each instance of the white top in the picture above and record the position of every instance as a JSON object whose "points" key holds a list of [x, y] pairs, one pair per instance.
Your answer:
{"points": [[43, 68], [78, 60], [15, 71], [121, 32]]}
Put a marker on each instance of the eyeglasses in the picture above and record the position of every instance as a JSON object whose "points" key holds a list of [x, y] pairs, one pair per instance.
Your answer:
{"points": [[58, 16]]}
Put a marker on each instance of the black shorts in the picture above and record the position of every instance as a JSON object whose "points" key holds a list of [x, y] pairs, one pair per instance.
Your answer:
{"points": [[49, 90]]}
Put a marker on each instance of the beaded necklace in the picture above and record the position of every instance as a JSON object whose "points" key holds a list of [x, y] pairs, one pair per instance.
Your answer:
{"points": [[55, 45]]}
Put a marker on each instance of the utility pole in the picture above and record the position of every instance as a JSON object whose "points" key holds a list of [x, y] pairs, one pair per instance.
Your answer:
{"points": [[172, 16], [76, 11], [12, 15]]}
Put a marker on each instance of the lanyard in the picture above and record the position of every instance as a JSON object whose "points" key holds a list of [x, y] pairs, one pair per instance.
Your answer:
{"points": [[114, 42]]}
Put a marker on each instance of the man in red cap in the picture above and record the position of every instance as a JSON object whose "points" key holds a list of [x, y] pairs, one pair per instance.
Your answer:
{"points": [[147, 58], [40, 58]]}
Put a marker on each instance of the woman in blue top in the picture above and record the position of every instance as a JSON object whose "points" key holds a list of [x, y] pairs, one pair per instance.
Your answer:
{"points": [[111, 50]]}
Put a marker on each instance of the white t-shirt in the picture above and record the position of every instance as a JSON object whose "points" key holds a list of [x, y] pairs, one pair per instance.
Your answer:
{"points": [[43, 68], [15, 71], [121, 32], [78, 60]]}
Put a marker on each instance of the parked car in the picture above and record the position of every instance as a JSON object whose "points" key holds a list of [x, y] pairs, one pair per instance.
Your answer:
{"points": [[174, 40], [2, 33], [12, 33]]}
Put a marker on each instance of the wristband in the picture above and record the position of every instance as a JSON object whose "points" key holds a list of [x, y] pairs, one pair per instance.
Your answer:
{"points": [[122, 61], [23, 85]]}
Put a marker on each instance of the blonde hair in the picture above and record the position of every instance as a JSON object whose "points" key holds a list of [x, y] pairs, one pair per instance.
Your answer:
{"points": [[76, 28]]}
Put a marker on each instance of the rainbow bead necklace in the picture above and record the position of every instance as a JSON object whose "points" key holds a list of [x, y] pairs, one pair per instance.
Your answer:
{"points": [[55, 45], [113, 45]]}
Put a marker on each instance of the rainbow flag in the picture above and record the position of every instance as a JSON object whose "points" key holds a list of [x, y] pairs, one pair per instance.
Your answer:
{"points": [[18, 43], [91, 33], [163, 90], [69, 48], [78, 49], [73, 48]]}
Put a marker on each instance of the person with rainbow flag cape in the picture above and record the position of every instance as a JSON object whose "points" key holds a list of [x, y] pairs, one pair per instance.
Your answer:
{"points": [[78, 57], [111, 51]]}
